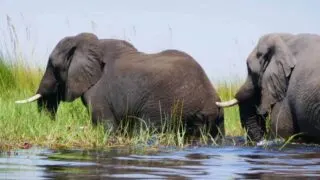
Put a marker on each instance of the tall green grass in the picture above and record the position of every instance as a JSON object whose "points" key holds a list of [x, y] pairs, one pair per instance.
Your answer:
{"points": [[23, 125], [226, 90]]}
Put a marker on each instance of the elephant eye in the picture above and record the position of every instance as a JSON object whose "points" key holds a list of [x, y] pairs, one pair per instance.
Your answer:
{"points": [[53, 63], [259, 54], [70, 53]]}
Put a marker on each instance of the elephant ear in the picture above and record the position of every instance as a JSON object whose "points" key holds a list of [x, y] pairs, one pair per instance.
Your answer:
{"points": [[85, 67], [278, 63]]}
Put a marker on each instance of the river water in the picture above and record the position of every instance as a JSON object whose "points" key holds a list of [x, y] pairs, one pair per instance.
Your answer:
{"points": [[210, 162]]}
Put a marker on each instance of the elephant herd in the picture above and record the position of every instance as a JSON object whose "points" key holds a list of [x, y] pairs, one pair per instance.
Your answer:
{"points": [[116, 82]]}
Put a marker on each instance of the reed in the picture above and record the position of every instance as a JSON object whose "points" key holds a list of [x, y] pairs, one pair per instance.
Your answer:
{"points": [[22, 125]]}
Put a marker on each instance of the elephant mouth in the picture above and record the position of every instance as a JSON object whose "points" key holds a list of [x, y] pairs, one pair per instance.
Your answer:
{"points": [[252, 117], [59, 92], [30, 99]]}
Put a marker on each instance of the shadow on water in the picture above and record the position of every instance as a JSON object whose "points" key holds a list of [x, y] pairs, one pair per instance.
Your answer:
{"points": [[227, 162]]}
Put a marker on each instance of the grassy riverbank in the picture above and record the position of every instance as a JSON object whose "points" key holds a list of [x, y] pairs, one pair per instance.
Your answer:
{"points": [[22, 125]]}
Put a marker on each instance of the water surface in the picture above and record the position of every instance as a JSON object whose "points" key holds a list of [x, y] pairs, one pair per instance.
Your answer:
{"points": [[228, 162]]}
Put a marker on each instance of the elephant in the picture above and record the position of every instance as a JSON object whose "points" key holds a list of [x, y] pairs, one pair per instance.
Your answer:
{"points": [[116, 82], [283, 85]]}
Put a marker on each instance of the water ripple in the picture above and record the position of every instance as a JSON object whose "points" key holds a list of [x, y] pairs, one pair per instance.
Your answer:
{"points": [[227, 162]]}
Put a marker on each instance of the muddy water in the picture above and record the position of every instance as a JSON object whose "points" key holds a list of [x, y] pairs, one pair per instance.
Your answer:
{"points": [[228, 162]]}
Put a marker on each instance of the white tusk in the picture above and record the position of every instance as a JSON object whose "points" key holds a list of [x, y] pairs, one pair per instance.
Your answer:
{"points": [[227, 103], [31, 99]]}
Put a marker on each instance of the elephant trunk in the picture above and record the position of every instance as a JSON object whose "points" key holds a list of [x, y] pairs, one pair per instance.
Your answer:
{"points": [[50, 89], [48, 95], [249, 99], [50, 103], [246, 91], [251, 121]]}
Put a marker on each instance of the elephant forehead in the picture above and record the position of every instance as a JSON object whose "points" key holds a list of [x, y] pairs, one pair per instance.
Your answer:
{"points": [[56, 57], [268, 37], [252, 55], [57, 54], [62, 48], [262, 47], [86, 36], [58, 60], [65, 43]]}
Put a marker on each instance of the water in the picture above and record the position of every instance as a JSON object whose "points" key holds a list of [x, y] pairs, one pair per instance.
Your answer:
{"points": [[228, 162]]}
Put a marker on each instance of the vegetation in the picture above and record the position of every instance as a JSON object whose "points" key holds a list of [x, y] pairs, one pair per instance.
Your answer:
{"points": [[23, 126]]}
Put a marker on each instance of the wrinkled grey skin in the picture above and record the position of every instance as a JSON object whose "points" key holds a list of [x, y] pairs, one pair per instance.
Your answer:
{"points": [[283, 79], [116, 81]]}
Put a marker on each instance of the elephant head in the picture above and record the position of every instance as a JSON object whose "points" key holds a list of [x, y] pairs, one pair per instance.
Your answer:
{"points": [[74, 65], [269, 67]]}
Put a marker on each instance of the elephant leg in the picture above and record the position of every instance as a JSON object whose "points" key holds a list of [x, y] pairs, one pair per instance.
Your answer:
{"points": [[104, 116], [281, 120], [100, 114]]}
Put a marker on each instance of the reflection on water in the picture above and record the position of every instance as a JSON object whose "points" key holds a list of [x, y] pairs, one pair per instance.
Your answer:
{"points": [[228, 162]]}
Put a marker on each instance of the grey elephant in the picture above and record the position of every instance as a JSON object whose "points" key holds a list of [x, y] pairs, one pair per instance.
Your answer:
{"points": [[116, 81], [283, 83]]}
